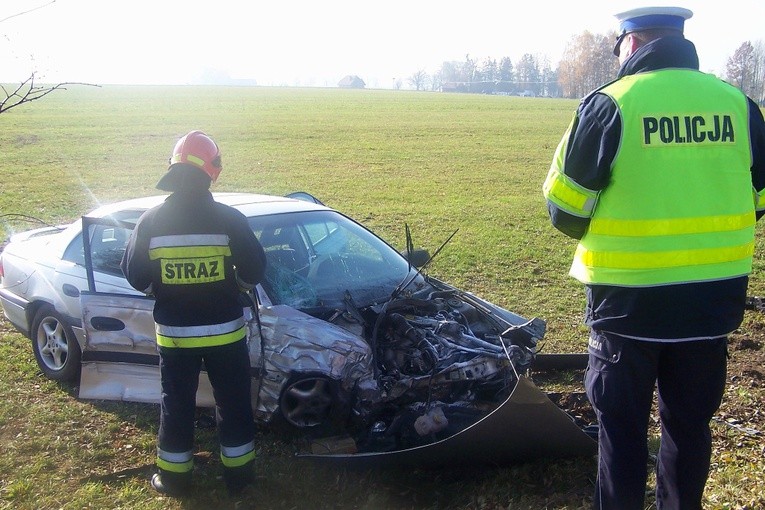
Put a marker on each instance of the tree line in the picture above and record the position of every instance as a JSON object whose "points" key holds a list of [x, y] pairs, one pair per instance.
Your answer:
{"points": [[587, 63], [746, 70]]}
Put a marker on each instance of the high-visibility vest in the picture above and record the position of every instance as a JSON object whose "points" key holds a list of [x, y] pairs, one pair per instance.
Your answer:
{"points": [[679, 206]]}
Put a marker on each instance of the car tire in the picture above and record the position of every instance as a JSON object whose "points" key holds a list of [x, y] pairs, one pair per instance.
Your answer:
{"points": [[312, 404], [55, 345]]}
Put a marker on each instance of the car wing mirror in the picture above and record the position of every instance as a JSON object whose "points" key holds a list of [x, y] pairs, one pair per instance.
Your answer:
{"points": [[304, 196]]}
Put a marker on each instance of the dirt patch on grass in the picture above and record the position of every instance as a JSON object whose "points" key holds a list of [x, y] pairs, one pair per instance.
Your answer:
{"points": [[745, 393]]}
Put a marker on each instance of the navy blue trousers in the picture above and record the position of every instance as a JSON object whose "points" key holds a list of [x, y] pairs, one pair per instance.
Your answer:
{"points": [[621, 377], [228, 368]]}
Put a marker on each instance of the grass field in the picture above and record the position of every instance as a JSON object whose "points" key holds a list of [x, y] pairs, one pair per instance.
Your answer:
{"points": [[437, 162]]}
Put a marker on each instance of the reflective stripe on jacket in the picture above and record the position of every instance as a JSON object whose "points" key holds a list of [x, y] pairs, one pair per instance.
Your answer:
{"points": [[679, 206], [209, 335], [194, 259], [562, 191]]}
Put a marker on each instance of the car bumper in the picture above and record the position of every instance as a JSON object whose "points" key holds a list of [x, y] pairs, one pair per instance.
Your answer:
{"points": [[15, 310]]}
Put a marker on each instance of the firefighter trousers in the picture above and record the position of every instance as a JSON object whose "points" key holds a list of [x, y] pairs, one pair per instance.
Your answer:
{"points": [[228, 369]]}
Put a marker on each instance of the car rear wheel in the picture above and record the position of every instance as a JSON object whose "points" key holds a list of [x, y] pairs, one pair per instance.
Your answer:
{"points": [[312, 403], [55, 346]]}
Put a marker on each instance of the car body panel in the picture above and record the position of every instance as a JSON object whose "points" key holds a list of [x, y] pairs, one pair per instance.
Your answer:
{"points": [[35, 275], [16, 309], [120, 360], [525, 427]]}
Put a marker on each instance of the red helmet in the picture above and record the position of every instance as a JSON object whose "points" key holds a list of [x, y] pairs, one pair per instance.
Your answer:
{"points": [[198, 149]]}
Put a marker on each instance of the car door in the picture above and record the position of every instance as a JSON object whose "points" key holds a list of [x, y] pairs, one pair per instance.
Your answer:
{"points": [[107, 243], [120, 360]]}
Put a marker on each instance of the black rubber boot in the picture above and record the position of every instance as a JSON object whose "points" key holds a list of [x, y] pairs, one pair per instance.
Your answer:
{"points": [[238, 478], [171, 484]]}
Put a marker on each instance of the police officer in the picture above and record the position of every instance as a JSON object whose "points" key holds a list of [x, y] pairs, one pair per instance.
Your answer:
{"points": [[660, 177], [195, 256]]}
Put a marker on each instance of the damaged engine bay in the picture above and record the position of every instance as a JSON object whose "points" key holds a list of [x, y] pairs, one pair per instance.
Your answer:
{"points": [[442, 364], [436, 361]]}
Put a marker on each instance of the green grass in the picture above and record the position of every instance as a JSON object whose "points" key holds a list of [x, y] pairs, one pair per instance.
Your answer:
{"points": [[438, 162]]}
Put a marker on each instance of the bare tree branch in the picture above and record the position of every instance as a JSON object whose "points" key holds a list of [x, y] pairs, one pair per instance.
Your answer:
{"points": [[28, 11], [27, 92]]}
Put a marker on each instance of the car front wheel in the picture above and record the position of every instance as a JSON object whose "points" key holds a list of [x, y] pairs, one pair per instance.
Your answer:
{"points": [[55, 345], [312, 403]]}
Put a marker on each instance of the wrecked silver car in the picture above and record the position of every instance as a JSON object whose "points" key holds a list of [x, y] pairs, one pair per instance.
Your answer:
{"points": [[349, 339]]}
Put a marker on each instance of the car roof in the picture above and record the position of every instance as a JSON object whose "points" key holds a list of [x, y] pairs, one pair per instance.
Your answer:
{"points": [[250, 204]]}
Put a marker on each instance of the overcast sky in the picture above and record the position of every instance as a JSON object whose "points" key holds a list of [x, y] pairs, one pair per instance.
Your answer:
{"points": [[316, 43]]}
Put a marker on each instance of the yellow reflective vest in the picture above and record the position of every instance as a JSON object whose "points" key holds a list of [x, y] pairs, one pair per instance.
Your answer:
{"points": [[679, 206]]}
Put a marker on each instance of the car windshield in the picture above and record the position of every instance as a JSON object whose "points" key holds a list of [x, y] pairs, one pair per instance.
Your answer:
{"points": [[319, 259]]}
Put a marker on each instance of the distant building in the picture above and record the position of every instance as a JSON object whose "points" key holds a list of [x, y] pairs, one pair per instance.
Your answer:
{"points": [[351, 82], [451, 86]]}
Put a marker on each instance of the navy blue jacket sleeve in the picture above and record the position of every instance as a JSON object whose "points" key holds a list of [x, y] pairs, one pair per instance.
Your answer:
{"points": [[757, 138], [592, 146]]}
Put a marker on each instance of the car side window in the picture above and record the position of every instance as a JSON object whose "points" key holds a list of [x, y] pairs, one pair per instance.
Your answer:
{"points": [[317, 232], [107, 247], [75, 253], [326, 237]]}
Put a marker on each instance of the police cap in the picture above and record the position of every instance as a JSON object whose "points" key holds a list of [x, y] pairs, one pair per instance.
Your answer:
{"points": [[644, 18]]}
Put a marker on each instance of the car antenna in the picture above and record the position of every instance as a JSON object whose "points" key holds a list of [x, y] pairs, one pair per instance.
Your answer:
{"points": [[407, 280], [409, 246]]}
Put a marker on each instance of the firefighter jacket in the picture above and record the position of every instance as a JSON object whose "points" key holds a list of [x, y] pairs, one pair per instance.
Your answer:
{"points": [[195, 256], [661, 187]]}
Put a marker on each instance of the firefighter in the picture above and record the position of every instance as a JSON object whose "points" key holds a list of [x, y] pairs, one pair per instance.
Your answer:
{"points": [[196, 256], [660, 176]]}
